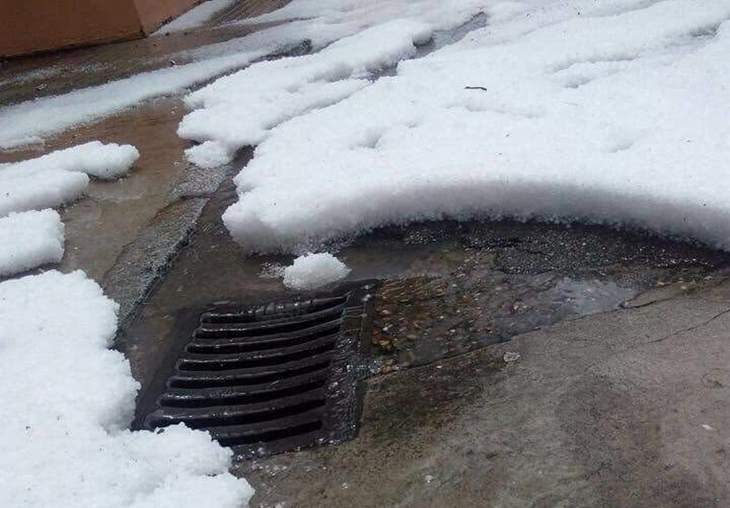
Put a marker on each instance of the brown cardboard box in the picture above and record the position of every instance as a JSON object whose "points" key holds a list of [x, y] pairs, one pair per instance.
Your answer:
{"points": [[28, 26]]}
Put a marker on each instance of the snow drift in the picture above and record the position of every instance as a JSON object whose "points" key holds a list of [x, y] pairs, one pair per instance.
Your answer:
{"points": [[612, 112]]}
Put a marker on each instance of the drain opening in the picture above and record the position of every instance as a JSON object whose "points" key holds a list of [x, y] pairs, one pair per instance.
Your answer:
{"points": [[266, 378]]}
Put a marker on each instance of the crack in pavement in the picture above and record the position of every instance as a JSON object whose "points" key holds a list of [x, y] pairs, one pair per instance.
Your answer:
{"points": [[691, 328]]}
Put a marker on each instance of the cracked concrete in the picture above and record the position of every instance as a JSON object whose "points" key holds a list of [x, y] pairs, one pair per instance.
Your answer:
{"points": [[621, 409]]}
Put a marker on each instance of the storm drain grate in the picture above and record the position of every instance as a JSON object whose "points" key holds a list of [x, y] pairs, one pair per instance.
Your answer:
{"points": [[267, 378]]}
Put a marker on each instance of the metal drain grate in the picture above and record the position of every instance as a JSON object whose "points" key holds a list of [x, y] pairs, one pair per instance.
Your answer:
{"points": [[266, 378]]}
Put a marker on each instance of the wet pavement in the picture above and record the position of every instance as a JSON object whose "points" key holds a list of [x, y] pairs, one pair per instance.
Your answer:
{"points": [[623, 408], [448, 287], [109, 232], [511, 364], [48, 74]]}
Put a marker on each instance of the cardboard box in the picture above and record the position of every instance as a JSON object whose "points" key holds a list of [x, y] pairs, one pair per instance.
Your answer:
{"points": [[29, 26]]}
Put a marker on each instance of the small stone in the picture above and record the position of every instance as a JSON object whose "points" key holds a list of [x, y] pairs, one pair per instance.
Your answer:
{"points": [[510, 357], [428, 478]]}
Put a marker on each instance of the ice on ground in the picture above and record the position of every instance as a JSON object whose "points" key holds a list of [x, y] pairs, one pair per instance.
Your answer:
{"points": [[240, 109], [195, 17], [67, 401], [608, 112], [314, 270], [62, 176], [30, 239]]}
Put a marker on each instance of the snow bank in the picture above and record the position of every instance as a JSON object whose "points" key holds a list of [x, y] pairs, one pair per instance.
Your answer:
{"points": [[610, 112], [314, 270], [238, 110], [195, 17], [62, 176], [66, 402], [30, 239]]}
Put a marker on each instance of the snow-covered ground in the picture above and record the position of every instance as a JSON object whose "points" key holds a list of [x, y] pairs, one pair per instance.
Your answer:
{"points": [[368, 39], [31, 239], [65, 405], [325, 21], [282, 89], [31, 121], [611, 112], [28, 122]]}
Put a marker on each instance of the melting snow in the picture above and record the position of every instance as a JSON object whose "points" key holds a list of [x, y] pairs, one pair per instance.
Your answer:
{"points": [[67, 401], [324, 21], [612, 111], [281, 89], [314, 270], [29, 121], [241, 109], [61, 176], [30, 239], [609, 112]]}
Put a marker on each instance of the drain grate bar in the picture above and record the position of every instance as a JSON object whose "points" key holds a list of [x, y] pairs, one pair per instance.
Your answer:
{"points": [[243, 414], [289, 428], [272, 311], [186, 397], [236, 345], [266, 378], [263, 328], [193, 379]]}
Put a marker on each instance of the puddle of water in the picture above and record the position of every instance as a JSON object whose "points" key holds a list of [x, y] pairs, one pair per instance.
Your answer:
{"points": [[585, 297], [454, 287]]}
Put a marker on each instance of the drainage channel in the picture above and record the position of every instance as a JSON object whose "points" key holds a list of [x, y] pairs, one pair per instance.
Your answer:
{"points": [[266, 378], [445, 289]]}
